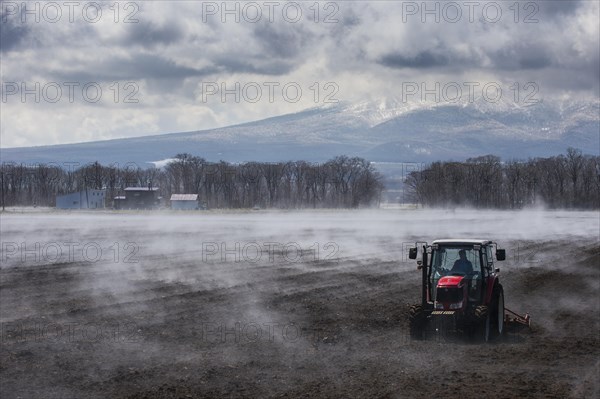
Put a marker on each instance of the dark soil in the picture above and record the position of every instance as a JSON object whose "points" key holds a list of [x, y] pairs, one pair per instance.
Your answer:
{"points": [[319, 329]]}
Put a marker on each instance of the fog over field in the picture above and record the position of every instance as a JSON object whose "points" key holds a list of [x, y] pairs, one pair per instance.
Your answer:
{"points": [[282, 303], [215, 241], [358, 234]]}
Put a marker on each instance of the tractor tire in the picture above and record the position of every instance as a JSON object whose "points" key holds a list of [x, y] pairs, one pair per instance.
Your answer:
{"points": [[483, 325], [498, 312], [416, 320]]}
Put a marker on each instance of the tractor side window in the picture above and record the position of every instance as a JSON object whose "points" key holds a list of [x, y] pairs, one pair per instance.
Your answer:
{"points": [[490, 256], [477, 277], [473, 256], [438, 263]]}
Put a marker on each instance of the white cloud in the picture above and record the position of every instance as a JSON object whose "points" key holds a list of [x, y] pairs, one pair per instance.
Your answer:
{"points": [[371, 50]]}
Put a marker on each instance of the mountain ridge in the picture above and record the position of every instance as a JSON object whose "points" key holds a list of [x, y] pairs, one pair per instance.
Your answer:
{"points": [[384, 130]]}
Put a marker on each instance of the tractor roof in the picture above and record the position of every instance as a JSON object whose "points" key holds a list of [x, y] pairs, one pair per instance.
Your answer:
{"points": [[466, 241]]}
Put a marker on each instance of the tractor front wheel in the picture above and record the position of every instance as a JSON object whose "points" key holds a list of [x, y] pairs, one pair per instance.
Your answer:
{"points": [[416, 319], [482, 313]]}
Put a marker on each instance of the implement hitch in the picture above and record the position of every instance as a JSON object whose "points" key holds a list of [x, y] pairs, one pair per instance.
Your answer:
{"points": [[511, 317]]}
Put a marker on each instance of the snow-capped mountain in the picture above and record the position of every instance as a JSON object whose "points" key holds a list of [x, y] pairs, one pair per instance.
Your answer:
{"points": [[386, 130]]}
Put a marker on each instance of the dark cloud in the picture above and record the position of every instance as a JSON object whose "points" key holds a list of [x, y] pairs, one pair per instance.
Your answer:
{"points": [[512, 57], [280, 43], [424, 59], [142, 66], [149, 35], [349, 19], [533, 62], [518, 57], [236, 64], [11, 34], [155, 66], [558, 8]]}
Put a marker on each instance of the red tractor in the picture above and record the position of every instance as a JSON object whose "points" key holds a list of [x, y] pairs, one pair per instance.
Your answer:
{"points": [[461, 291]]}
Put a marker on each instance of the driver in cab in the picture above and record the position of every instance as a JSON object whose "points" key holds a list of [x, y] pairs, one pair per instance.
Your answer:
{"points": [[462, 265]]}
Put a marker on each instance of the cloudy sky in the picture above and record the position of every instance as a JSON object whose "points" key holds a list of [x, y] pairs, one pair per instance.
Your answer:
{"points": [[85, 71]]}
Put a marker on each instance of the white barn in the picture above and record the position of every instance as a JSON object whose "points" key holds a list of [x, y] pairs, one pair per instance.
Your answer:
{"points": [[184, 201], [84, 199]]}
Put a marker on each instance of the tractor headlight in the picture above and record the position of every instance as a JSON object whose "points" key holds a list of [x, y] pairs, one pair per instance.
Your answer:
{"points": [[456, 305], [439, 306]]}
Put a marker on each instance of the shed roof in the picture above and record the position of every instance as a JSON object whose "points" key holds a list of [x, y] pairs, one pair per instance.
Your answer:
{"points": [[184, 197], [141, 189]]}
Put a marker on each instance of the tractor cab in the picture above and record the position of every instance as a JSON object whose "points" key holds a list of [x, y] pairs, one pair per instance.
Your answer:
{"points": [[459, 273]]}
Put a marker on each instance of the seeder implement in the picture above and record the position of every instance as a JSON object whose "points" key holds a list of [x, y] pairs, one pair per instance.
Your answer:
{"points": [[513, 318]]}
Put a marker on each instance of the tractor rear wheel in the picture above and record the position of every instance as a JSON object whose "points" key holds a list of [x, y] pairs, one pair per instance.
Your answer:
{"points": [[498, 314], [416, 319], [490, 319]]}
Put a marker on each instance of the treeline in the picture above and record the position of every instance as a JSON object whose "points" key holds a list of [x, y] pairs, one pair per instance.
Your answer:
{"points": [[565, 181], [342, 182]]}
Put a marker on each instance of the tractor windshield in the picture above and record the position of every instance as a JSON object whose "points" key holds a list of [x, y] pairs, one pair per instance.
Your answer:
{"points": [[453, 261]]}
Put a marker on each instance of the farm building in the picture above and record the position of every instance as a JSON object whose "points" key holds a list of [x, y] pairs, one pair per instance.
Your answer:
{"points": [[84, 199], [138, 198], [184, 201], [119, 202]]}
